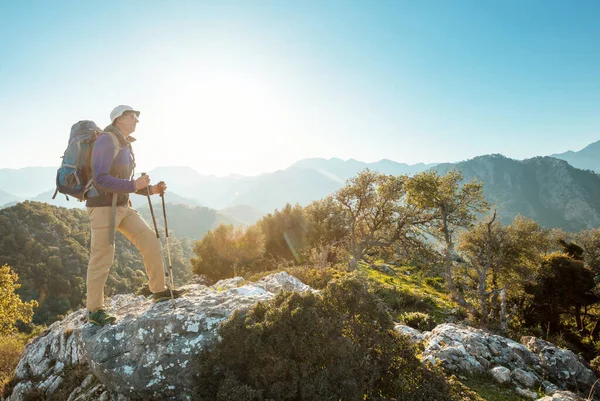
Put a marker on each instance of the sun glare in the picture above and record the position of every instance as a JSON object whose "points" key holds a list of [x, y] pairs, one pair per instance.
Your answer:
{"points": [[227, 114]]}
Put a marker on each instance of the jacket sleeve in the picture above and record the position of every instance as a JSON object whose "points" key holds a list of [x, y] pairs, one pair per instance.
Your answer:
{"points": [[102, 158]]}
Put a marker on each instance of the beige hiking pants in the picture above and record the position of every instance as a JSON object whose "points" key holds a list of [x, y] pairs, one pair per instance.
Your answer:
{"points": [[131, 224]]}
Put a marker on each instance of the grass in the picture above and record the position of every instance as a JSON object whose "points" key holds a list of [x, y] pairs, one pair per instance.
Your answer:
{"points": [[408, 291], [487, 389]]}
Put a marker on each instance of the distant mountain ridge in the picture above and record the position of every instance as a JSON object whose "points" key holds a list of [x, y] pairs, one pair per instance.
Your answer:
{"points": [[302, 182], [546, 189], [587, 158]]}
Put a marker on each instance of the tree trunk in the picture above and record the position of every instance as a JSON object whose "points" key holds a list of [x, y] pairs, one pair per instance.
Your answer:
{"points": [[596, 330], [578, 320], [503, 313], [454, 294]]}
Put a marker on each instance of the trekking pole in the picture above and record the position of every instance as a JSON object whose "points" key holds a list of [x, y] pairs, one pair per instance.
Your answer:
{"points": [[156, 228], [162, 196], [151, 210]]}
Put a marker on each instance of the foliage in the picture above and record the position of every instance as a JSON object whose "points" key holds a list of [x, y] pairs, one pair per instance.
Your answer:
{"points": [[418, 320], [377, 218], [595, 363], [221, 252], [562, 287], [499, 260], [12, 346], [11, 349], [12, 308], [337, 345], [285, 233]]}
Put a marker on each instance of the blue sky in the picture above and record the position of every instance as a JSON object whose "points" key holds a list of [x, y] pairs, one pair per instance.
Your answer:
{"points": [[253, 86]]}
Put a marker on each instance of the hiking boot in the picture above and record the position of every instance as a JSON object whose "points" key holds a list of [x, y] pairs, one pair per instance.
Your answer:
{"points": [[100, 318], [166, 295]]}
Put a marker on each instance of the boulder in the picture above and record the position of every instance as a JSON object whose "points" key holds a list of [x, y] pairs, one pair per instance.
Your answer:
{"points": [[501, 374], [562, 396]]}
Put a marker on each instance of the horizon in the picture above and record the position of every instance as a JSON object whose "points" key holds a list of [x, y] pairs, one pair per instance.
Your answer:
{"points": [[246, 89]]}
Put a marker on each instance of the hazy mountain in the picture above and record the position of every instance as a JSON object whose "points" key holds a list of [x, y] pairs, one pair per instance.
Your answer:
{"points": [[60, 200], [186, 221], [587, 158], [549, 190], [546, 189], [7, 198], [29, 181], [244, 213], [341, 170], [170, 198], [302, 182]]}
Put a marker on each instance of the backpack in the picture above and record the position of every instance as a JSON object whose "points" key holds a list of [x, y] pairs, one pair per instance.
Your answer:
{"points": [[74, 176]]}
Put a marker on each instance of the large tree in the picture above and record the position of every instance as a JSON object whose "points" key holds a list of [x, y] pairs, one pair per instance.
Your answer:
{"points": [[451, 205], [376, 214], [498, 261]]}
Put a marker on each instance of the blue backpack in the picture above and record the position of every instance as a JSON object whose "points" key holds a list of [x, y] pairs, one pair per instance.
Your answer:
{"points": [[74, 176]]}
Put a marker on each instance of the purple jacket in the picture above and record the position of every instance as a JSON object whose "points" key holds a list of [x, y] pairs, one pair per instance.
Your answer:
{"points": [[112, 176]]}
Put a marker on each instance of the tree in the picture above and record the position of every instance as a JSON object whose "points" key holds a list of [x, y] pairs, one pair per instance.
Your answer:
{"points": [[12, 308], [285, 233], [499, 260], [451, 206], [562, 286], [221, 252], [376, 215], [589, 240]]}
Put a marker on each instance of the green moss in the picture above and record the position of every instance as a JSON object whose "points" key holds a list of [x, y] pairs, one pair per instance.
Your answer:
{"points": [[485, 387]]}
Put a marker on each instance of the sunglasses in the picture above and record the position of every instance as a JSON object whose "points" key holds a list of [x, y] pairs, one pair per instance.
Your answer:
{"points": [[135, 117]]}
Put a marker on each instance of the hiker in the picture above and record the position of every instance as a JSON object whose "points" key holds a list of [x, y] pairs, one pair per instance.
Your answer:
{"points": [[109, 208]]}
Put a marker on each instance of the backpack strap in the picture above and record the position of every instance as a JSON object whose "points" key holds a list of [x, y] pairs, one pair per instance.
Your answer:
{"points": [[113, 207]]}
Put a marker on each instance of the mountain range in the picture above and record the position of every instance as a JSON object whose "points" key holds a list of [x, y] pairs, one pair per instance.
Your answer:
{"points": [[555, 192]]}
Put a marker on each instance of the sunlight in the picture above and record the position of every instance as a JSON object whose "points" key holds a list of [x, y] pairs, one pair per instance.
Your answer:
{"points": [[230, 113]]}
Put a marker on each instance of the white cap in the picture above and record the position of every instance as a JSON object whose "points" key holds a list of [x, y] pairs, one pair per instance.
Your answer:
{"points": [[119, 110]]}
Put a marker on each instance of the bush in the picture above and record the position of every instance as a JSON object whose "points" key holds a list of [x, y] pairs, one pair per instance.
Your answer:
{"points": [[436, 283], [595, 363], [418, 320], [339, 344], [11, 349]]}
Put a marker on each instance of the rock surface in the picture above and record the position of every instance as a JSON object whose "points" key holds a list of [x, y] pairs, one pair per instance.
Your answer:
{"points": [[147, 354], [467, 351]]}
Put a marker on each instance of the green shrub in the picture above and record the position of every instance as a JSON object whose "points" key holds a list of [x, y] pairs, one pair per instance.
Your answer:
{"points": [[436, 283], [399, 300], [595, 363], [11, 349], [336, 345], [418, 320]]}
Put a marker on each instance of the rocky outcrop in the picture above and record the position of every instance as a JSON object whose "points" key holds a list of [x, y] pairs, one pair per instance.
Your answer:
{"points": [[150, 353], [147, 354], [528, 365]]}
